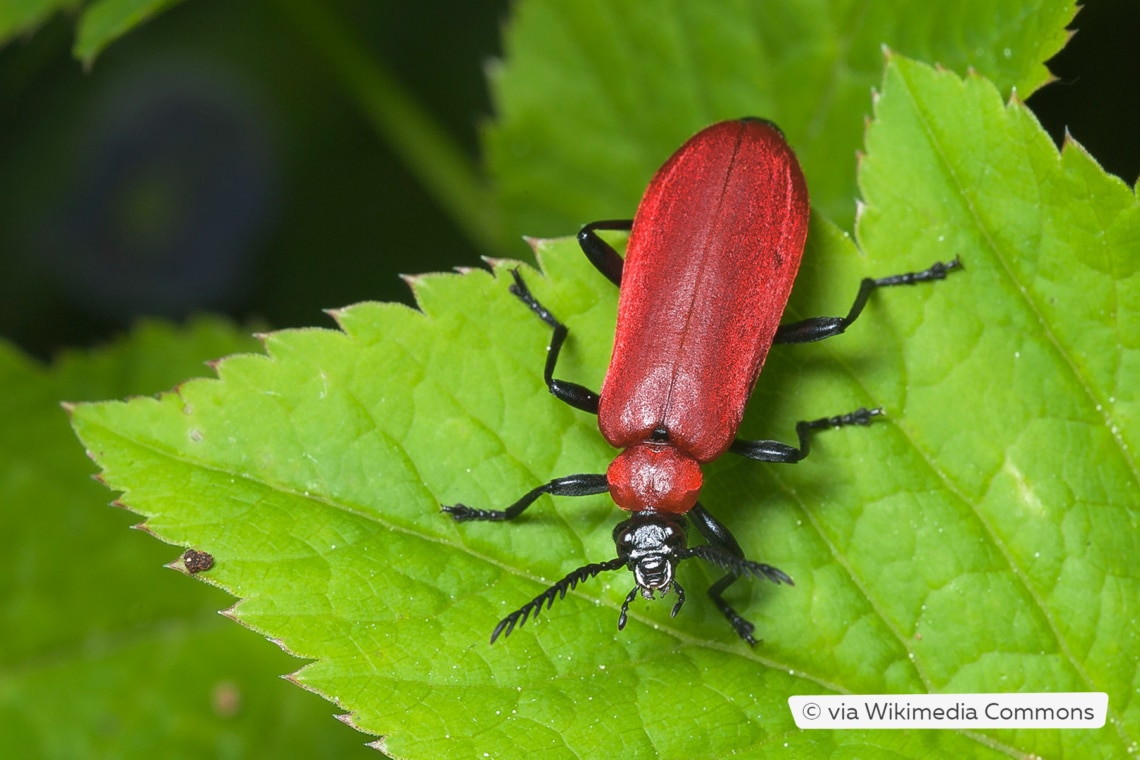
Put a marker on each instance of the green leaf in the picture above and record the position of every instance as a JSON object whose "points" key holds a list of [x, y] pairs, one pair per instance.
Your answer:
{"points": [[100, 22], [981, 538], [595, 94], [1025, 415], [314, 478], [106, 653], [105, 21], [25, 16]]}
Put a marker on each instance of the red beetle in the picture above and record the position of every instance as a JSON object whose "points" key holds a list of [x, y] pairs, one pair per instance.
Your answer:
{"points": [[712, 255]]}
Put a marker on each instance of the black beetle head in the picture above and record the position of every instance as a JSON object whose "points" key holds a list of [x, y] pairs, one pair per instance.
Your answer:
{"points": [[651, 544]]}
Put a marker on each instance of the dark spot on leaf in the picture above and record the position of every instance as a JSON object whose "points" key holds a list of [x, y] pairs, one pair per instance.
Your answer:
{"points": [[196, 561]]}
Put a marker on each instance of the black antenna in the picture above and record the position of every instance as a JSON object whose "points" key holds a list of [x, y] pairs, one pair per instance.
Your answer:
{"points": [[735, 565], [558, 590]]}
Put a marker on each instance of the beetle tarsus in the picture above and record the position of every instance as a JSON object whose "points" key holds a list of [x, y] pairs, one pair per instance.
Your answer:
{"points": [[744, 629], [861, 416], [520, 291], [463, 513], [937, 271]]}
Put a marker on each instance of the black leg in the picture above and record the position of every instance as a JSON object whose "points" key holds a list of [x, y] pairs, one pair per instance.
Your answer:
{"points": [[575, 395], [776, 451], [722, 542], [571, 485], [600, 253], [818, 328]]}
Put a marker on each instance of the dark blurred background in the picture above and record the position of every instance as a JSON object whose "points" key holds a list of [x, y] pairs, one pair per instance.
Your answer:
{"points": [[211, 161]]}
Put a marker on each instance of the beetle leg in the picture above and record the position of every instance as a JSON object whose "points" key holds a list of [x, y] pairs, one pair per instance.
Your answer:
{"points": [[719, 536], [818, 328], [777, 451], [570, 485], [577, 396], [600, 253], [743, 627]]}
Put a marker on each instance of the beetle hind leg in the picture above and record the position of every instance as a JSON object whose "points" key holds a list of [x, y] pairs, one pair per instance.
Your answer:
{"points": [[817, 328], [783, 453]]}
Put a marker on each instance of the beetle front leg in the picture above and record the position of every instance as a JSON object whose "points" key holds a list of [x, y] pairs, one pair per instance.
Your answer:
{"points": [[779, 452], [717, 535], [571, 485], [577, 396], [818, 328]]}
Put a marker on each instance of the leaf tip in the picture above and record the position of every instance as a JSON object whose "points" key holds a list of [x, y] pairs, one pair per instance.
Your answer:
{"points": [[349, 720], [141, 527], [380, 745], [495, 262], [1070, 143], [414, 280], [888, 54], [230, 613], [539, 244], [278, 642]]}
